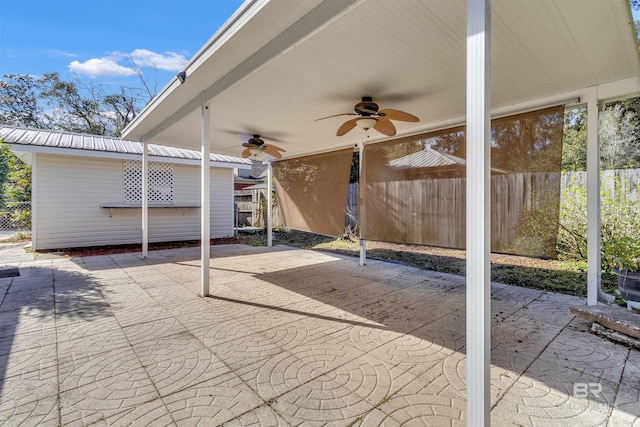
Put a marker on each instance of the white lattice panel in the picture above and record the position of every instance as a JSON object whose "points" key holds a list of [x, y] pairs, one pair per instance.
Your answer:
{"points": [[161, 182]]}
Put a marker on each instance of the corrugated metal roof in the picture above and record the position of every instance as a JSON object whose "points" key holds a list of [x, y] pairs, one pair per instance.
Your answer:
{"points": [[426, 158], [256, 186], [430, 158], [77, 141]]}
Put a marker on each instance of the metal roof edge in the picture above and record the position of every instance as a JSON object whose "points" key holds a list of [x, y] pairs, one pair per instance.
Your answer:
{"points": [[155, 150], [26, 148]]}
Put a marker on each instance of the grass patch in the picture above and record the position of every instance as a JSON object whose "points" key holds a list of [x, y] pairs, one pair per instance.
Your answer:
{"points": [[20, 236], [564, 277]]}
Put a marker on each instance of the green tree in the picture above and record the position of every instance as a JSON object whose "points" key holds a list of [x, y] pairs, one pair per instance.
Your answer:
{"points": [[69, 110], [574, 150], [15, 177], [354, 175], [49, 102], [15, 187], [19, 104], [452, 142], [5, 160], [620, 137]]}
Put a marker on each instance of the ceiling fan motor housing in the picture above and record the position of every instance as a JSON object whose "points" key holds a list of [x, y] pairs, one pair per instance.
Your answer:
{"points": [[367, 107], [256, 140]]}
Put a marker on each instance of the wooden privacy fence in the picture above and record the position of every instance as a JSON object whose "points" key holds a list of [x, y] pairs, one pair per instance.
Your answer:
{"points": [[434, 209], [627, 181], [250, 208]]}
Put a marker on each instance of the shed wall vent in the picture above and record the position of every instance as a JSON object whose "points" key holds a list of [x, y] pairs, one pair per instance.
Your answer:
{"points": [[161, 182]]}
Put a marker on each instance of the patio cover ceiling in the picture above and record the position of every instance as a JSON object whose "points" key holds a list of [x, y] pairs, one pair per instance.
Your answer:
{"points": [[277, 66]]}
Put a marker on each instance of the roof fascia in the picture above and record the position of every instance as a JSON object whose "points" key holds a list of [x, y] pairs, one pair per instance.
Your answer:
{"points": [[120, 156]]}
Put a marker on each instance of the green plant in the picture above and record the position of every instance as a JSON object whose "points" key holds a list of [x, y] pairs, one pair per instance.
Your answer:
{"points": [[572, 233], [536, 233], [620, 227], [22, 235], [620, 230], [623, 253], [21, 219]]}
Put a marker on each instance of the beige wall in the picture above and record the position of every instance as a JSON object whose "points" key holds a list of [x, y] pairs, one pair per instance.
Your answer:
{"points": [[68, 192]]}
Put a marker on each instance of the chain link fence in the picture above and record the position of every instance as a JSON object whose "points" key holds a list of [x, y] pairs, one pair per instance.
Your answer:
{"points": [[15, 216]]}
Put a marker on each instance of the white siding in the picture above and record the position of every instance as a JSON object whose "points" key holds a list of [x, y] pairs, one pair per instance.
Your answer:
{"points": [[70, 189], [221, 202]]}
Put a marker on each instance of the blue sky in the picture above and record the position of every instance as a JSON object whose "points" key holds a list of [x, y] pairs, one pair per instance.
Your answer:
{"points": [[96, 39]]}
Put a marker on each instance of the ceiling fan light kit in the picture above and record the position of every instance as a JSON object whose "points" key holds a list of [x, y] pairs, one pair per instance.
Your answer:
{"points": [[366, 122], [255, 147], [255, 151]]}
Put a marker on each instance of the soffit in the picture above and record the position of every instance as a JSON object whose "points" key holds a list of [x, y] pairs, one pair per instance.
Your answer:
{"points": [[408, 55]]}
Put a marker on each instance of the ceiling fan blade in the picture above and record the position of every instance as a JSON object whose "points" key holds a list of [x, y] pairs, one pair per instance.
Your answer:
{"points": [[385, 126], [275, 147], [337, 115], [272, 151], [346, 127], [399, 115], [246, 153]]}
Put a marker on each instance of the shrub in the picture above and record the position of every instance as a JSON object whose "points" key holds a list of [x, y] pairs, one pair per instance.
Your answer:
{"points": [[620, 227], [572, 233], [536, 232], [21, 219]]}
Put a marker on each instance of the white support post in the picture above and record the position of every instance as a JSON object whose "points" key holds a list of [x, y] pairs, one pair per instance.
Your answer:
{"points": [[268, 191], [145, 200], [593, 199], [363, 252], [205, 198], [361, 185], [478, 285]]}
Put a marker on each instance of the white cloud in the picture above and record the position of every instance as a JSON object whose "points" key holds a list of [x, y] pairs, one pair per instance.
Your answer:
{"points": [[111, 65], [100, 67], [169, 61]]}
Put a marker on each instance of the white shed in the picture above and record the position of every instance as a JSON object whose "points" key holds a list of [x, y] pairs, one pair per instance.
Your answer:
{"points": [[86, 189]]}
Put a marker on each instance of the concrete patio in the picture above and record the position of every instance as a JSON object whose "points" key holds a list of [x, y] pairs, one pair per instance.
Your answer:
{"points": [[291, 337]]}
